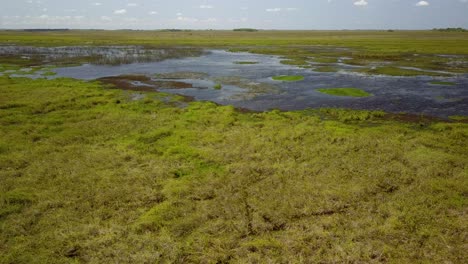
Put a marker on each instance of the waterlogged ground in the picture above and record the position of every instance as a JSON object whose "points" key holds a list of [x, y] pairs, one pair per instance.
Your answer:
{"points": [[246, 80]]}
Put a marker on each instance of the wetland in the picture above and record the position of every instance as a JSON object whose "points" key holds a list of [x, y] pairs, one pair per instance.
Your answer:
{"points": [[208, 146], [253, 81]]}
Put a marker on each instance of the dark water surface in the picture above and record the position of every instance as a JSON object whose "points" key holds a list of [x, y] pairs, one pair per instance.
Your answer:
{"points": [[391, 94]]}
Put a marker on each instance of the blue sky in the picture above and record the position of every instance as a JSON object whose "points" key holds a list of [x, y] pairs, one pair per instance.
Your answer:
{"points": [[223, 14]]}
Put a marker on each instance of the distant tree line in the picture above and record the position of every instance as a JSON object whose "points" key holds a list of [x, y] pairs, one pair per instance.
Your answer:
{"points": [[459, 29], [45, 29], [246, 29]]}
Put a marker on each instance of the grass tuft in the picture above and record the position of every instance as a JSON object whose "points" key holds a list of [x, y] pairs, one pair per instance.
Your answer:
{"points": [[353, 92], [443, 83], [290, 78]]}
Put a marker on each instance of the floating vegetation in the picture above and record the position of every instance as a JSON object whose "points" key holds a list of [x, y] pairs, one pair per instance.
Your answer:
{"points": [[142, 83], [288, 78], [104, 55], [443, 83], [396, 71], [326, 69], [254, 88], [246, 62], [325, 59], [353, 92], [218, 86], [182, 75]]}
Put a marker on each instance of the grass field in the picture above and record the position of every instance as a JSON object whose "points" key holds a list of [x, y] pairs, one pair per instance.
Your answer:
{"points": [[94, 174], [380, 41]]}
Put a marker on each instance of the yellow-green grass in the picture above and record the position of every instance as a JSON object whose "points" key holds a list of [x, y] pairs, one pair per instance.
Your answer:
{"points": [[288, 78], [396, 71], [353, 92], [89, 174], [425, 42]]}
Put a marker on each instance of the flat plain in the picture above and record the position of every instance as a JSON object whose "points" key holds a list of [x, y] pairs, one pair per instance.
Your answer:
{"points": [[100, 171]]}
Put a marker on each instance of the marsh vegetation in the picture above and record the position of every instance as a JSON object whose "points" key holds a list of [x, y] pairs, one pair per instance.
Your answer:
{"points": [[353, 92], [110, 169]]}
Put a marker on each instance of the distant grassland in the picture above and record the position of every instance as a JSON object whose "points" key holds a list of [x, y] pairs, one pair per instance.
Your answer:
{"points": [[417, 49], [376, 41]]}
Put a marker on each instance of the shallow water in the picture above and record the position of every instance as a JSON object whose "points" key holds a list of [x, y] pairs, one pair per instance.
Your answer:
{"points": [[393, 94]]}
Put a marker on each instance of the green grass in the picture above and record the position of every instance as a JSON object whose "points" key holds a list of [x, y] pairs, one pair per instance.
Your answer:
{"points": [[91, 175], [443, 83], [422, 42], [395, 71], [218, 86], [353, 92], [288, 78]]}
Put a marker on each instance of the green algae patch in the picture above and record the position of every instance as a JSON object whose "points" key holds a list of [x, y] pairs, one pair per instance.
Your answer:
{"points": [[353, 92], [288, 78], [443, 83], [246, 62]]}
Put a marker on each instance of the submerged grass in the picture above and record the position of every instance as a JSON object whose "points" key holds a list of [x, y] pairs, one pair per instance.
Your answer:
{"points": [[353, 92], [246, 62], [326, 69], [288, 78], [91, 175], [443, 83], [395, 71]]}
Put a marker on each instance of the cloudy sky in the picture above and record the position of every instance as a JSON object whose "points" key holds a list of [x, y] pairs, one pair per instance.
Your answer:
{"points": [[228, 14]]}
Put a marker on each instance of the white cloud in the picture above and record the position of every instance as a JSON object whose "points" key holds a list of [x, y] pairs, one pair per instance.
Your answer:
{"points": [[291, 9], [422, 3], [276, 9], [153, 12], [120, 11], [187, 19], [179, 14], [361, 3], [206, 6], [132, 4], [97, 4], [106, 18]]}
